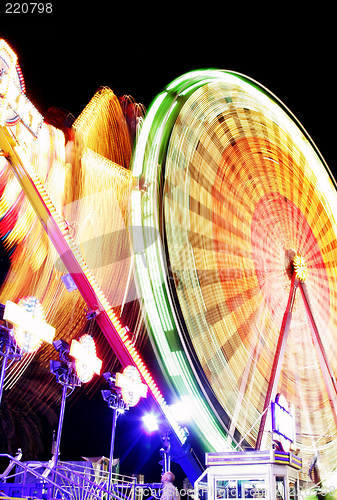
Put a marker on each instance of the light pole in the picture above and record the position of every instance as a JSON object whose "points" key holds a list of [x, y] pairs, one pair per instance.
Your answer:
{"points": [[64, 372], [114, 399], [126, 389], [78, 364]]}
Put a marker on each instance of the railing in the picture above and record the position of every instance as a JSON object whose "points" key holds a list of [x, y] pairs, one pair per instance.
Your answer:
{"points": [[36, 480], [201, 487]]}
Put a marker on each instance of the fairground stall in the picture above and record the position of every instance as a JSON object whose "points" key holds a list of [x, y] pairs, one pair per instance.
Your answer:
{"points": [[271, 474]]}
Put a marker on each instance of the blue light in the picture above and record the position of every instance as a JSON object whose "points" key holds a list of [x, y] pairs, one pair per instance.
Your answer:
{"points": [[282, 422], [150, 422]]}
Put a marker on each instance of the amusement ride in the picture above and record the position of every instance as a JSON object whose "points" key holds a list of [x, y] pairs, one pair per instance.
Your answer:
{"points": [[207, 223]]}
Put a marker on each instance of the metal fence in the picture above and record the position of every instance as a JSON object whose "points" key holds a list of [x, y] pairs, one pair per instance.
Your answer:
{"points": [[67, 481]]}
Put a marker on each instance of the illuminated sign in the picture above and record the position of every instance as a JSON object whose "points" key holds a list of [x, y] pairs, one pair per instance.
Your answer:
{"points": [[22, 316], [282, 421], [132, 387], [14, 104], [84, 352]]}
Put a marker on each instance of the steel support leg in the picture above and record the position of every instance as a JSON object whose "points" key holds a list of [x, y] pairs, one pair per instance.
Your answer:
{"points": [[278, 359], [327, 373]]}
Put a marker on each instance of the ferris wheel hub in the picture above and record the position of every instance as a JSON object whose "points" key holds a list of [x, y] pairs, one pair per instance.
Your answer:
{"points": [[300, 267]]}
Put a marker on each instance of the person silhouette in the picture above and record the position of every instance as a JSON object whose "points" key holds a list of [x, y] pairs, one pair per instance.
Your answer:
{"points": [[170, 492]]}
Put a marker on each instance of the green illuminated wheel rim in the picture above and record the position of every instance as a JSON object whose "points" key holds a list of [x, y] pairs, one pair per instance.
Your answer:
{"points": [[235, 188]]}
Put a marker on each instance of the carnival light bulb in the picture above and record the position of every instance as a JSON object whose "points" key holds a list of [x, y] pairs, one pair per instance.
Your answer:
{"points": [[84, 370], [130, 394], [27, 341]]}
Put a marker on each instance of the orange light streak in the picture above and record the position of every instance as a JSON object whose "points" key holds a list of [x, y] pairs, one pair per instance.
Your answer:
{"points": [[72, 259]]}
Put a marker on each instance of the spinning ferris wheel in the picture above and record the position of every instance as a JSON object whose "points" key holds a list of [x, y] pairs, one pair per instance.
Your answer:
{"points": [[240, 287]]}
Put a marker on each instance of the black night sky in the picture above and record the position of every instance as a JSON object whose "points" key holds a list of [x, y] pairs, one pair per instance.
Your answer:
{"points": [[67, 54]]}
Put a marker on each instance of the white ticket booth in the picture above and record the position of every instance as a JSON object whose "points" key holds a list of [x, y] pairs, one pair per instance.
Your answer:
{"points": [[268, 474]]}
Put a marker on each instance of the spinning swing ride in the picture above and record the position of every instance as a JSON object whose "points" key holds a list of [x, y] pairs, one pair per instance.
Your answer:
{"points": [[232, 225]]}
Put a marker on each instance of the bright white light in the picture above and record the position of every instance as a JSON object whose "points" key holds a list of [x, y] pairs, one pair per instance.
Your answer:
{"points": [[131, 384], [125, 382], [150, 422], [22, 316], [86, 353], [181, 411]]}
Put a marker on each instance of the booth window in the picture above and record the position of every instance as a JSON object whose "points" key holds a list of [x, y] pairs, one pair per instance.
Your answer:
{"points": [[240, 488], [293, 489], [280, 487]]}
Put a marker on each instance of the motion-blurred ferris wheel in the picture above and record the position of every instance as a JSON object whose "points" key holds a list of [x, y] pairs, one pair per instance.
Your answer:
{"points": [[244, 205]]}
